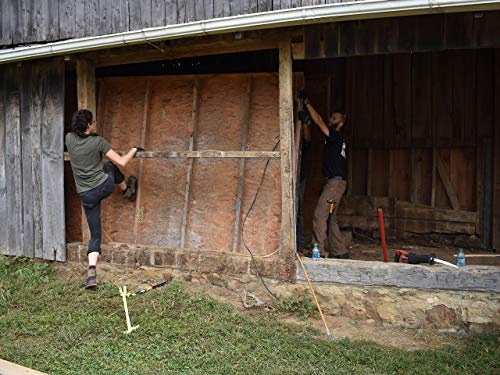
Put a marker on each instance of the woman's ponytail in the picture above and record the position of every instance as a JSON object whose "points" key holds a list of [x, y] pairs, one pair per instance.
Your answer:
{"points": [[80, 121]]}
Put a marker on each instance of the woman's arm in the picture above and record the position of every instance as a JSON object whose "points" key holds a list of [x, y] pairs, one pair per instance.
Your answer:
{"points": [[121, 161], [317, 119]]}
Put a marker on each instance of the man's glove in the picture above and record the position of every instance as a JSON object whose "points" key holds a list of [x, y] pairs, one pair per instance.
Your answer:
{"points": [[139, 148], [304, 117], [303, 96]]}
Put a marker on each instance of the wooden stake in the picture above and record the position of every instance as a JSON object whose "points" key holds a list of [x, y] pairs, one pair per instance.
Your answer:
{"points": [[145, 121], [192, 130], [244, 136], [286, 144]]}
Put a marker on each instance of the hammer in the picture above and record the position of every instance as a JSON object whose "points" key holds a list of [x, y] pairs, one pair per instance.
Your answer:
{"points": [[331, 202]]}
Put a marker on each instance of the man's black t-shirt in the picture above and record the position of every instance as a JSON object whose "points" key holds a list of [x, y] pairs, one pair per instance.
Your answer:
{"points": [[334, 159]]}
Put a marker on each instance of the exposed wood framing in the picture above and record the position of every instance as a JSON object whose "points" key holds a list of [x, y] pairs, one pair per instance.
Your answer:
{"points": [[479, 186], [86, 96], [442, 168], [145, 122], [192, 132], [286, 146], [244, 137], [390, 183], [411, 175]]}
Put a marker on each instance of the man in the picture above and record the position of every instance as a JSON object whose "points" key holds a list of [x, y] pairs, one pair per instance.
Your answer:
{"points": [[334, 171]]}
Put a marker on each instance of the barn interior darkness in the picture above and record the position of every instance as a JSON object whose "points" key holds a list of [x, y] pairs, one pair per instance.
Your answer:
{"points": [[418, 132]]}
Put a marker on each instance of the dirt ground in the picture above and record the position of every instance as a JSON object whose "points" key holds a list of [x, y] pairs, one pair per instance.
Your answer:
{"points": [[230, 292]]}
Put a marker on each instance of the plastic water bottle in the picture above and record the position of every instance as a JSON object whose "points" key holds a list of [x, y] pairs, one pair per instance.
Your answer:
{"points": [[460, 258], [316, 254]]}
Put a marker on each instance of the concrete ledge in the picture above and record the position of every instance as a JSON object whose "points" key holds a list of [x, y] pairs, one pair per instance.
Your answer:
{"points": [[475, 278]]}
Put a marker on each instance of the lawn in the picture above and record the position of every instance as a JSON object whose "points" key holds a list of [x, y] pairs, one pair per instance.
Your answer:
{"points": [[55, 326]]}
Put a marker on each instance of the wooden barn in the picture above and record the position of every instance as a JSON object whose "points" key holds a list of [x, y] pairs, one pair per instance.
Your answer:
{"points": [[209, 90]]}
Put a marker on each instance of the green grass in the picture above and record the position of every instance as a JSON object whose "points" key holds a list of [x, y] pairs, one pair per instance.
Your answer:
{"points": [[57, 327]]}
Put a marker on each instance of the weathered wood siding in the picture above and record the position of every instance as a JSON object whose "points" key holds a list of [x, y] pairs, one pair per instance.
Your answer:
{"points": [[31, 160], [28, 21], [423, 33]]}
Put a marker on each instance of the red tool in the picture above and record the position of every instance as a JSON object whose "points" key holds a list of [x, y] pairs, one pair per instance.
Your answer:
{"points": [[382, 233], [402, 256]]}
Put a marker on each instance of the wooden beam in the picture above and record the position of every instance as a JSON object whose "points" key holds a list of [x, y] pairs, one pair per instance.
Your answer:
{"points": [[86, 97], [180, 49], [192, 131], [434, 177], [145, 121], [215, 154], [244, 138], [369, 162], [411, 175], [390, 183], [442, 168], [286, 144]]}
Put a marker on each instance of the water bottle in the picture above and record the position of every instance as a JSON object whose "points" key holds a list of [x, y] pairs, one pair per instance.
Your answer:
{"points": [[460, 258], [316, 254]]}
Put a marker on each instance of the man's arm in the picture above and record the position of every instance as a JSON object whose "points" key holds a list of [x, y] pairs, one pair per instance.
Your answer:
{"points": [[317, 119]]}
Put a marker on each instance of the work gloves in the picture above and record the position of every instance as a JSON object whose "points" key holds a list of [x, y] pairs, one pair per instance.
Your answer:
{"points": [[305, 117], [303, 97]]}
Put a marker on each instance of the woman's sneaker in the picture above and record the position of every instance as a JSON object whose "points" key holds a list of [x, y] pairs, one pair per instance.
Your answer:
{"points": [[131, 192], [91, 279]]}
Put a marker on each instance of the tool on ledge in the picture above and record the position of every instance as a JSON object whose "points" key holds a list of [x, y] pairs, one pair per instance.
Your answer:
{"points": [[402, 256]]}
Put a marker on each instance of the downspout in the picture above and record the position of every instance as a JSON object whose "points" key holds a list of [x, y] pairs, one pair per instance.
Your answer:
{"points": [[280, 18]]}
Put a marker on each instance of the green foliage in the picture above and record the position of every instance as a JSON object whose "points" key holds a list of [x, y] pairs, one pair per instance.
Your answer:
{"points": [[59, 328], [298, 303]]}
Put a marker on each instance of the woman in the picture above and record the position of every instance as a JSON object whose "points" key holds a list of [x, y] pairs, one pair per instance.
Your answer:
{"points": [[95, 182]]}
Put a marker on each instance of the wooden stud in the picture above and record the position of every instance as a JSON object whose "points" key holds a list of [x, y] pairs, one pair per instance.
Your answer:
{"points": [[286, 144], [244, 137], [192, 131], [411, 174], [390, 183], [369, 182], [145, 122], [442, 168], [434, 177]]}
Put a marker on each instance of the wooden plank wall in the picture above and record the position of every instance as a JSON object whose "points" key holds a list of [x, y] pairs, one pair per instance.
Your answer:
{"points": [[423, 33], [28, 21], [177, 122], [402, 107], [31, 166]]}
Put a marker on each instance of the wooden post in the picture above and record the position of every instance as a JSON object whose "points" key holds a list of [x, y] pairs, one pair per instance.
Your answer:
{"points": [[192, 130], [433, 187], [286, 144], [390, 187], [145, 121], [85, 86], [244, 137], [369, 172]]}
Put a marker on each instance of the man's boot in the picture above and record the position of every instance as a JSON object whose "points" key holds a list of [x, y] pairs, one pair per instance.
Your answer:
{"points": [[91, 278]]}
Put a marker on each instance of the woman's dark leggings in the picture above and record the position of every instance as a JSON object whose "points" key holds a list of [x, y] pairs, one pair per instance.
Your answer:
{"points": [[91, 202]]}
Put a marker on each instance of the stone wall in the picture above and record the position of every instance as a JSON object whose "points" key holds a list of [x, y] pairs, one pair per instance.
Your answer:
{"points": [[275, 266]]}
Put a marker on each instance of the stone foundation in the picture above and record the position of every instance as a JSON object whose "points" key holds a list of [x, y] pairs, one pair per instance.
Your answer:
{"points": [[399, 295], [275, 267]]}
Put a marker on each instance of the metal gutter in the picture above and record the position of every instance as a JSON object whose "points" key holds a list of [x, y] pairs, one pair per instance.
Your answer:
{"points": [[279, 18]]}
